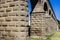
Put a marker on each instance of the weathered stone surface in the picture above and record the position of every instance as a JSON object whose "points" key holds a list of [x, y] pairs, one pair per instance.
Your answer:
{"points": [[43, 20], [13, 20]]}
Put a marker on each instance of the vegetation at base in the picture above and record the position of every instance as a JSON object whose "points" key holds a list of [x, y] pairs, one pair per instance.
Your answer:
{"points": [[54, 36], [59, 23], [48, 38], [33, 38]]}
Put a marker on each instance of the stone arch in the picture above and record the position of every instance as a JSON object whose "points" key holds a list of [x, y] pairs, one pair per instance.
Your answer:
{"points": [[45, 7], [52, 16], [39, 1]]}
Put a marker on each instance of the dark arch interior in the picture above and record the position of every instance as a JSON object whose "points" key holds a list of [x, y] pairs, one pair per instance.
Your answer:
{"points": [[52, 16], [45, 7], [49, 12], [33, 2]]}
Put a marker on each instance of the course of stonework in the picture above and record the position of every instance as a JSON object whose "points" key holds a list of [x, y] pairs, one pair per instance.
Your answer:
{"points": [[13, 20], [43, 20]]}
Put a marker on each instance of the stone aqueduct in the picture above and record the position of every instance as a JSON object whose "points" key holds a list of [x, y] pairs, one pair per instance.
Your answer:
{"points": [[43, 20], [14, 19]]}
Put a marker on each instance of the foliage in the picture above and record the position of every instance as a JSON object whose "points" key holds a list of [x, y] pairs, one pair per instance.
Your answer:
{"points": [[49, 37], [59, 23], [54, 36], [34, 39]]}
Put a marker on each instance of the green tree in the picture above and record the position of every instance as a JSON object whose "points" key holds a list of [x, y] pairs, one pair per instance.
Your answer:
{"points": [[59, 23]]}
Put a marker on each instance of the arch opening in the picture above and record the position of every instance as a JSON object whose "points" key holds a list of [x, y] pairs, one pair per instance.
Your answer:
{"points": [[49, 12], [45, 7]]}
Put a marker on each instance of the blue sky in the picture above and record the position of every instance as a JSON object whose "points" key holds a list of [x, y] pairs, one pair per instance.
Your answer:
{"points": [[56, 7], [29, 6], [55, 4]]}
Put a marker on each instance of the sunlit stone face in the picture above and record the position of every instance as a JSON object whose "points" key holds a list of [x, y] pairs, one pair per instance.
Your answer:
{"points": [[43, 21], [13, 20]]}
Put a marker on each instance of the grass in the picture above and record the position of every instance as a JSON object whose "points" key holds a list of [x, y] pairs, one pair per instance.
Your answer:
{"points": [[55, 36], [49, 37], [34, 39]]}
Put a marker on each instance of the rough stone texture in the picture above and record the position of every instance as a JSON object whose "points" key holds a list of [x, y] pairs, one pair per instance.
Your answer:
{"points": [[43, 20], [13, 20]]}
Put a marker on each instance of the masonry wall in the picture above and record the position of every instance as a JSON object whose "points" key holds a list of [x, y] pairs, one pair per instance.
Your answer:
{"points": [[13, 20], [43, 21], [42, 25]]}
